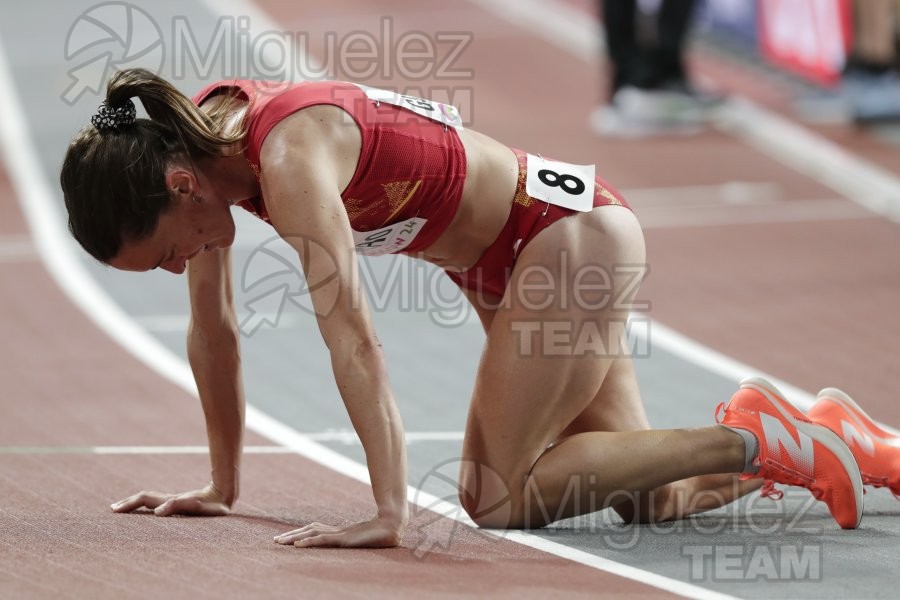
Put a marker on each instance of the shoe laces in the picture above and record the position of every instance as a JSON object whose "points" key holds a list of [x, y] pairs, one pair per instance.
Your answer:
{"points": [[874, 481], [720, 409], [769, 490], [880, 482], [787, 476]]}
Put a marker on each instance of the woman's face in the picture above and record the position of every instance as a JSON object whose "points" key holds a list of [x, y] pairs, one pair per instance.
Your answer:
{"points": [[193, 224]]}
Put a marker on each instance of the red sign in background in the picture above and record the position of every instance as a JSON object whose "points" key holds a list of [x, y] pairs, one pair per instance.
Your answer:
{"points": [[809, 37]]}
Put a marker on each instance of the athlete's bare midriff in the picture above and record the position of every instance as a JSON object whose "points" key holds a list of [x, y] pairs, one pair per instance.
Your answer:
{"points": [[491, 177]]}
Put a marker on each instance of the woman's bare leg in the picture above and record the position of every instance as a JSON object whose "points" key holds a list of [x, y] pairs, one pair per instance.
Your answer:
{"points": [[526, 393], [618, 407]]}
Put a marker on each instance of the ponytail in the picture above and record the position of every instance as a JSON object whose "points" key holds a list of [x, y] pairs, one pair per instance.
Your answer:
{"points": [[198, 132]]}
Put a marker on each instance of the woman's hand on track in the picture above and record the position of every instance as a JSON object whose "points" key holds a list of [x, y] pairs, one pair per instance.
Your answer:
{"points": [[208, 502], [377, 533]]}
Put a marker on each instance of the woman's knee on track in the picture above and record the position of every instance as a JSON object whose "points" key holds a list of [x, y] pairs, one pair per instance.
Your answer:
{"points": [[492, 499]]}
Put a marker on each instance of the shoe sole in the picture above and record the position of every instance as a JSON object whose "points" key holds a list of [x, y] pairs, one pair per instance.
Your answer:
{"points": [[818, 433]]}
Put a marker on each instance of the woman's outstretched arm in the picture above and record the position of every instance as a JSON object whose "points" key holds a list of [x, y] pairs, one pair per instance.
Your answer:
{"points": [[305, 206], [214, 354]]}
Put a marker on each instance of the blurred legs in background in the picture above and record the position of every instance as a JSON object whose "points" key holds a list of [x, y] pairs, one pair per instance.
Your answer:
{"points": [[869, 90], [650, 92]]}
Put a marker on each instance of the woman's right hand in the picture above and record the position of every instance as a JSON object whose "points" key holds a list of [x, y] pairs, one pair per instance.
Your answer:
{"points": [[208, 502]]}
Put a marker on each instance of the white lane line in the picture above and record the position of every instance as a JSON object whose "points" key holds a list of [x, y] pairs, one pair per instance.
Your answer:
{"points": [[855, 178], [346, 437], [731, 193], [734, 203], [178, 323], [126, 450], [795, 211], [58, 252], [715, 362]]}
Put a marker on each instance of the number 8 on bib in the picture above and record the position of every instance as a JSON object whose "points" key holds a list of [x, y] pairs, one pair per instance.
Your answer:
{"points": [[559, 183]]}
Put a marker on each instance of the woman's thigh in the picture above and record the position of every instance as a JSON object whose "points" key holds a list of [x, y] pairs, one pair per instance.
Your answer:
{"points": [[617, 406], [552, 341]]}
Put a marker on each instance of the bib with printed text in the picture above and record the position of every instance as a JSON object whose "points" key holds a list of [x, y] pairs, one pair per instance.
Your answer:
{"points": [[437, 111], [389, 239], [559, 183]]}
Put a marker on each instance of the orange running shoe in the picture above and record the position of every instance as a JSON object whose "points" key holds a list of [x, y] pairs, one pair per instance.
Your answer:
{"points": [[877, 452], [795, 451]]}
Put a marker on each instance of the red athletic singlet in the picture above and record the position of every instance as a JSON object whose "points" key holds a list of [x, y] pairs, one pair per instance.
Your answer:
{"points": [[409, 165]]}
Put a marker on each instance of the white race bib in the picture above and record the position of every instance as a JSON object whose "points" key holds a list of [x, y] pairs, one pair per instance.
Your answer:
{"points": [[559, 183], [442, 113], [388, 240]]}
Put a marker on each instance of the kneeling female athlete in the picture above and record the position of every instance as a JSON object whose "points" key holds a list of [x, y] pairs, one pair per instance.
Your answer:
{"points": [[350, 167]]}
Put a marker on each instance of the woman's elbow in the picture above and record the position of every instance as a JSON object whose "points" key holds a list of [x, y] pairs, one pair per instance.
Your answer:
{"points": [[224, 332]]}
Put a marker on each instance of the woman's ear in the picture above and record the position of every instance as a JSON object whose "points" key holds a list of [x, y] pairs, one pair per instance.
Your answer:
{"points": [[179, 183], [182, 180]]}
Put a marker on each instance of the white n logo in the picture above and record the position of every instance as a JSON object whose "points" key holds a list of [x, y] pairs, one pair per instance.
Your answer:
{"points": [[863, 440], [778, 438]]}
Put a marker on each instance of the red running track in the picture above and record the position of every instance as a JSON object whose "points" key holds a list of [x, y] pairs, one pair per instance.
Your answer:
{"points": [[68, 387]]}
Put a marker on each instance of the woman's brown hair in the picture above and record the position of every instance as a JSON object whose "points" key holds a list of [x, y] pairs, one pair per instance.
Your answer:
{"points": [[113, 177]]}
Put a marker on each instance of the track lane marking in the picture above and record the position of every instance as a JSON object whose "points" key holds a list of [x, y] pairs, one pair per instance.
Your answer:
{"points": [[345, 437], [126, 450]]}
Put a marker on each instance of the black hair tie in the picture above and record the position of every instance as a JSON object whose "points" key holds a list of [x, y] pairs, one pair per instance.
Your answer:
{"points": [[108, 118]]}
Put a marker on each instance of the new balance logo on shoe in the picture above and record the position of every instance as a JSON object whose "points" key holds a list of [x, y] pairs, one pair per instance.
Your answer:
{"points": [[780, 442], [852, 435]]}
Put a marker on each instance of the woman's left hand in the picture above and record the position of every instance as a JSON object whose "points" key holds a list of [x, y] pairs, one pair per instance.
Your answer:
{"points": [[377, 533]]}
